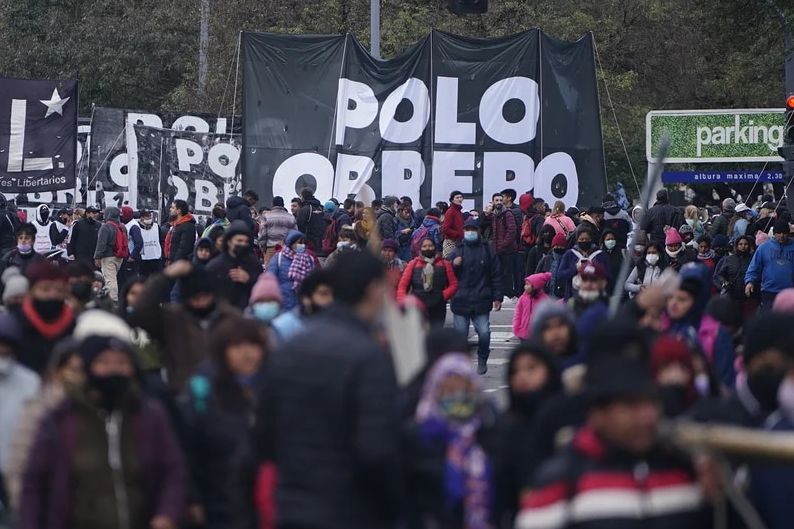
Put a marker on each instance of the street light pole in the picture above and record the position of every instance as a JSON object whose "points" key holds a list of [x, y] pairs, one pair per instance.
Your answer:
{"points": [[374, 28]]}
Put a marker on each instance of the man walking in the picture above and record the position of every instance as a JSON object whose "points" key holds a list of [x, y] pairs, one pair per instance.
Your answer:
{"points": [[278, 222], [180, 239], [111, 248], [772, 266], [146, 250], [82, 243], [503, 238], [479, 289]]}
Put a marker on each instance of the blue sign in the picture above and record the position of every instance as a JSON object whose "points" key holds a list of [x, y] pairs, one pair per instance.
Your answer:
{"points": [[721, 177]]}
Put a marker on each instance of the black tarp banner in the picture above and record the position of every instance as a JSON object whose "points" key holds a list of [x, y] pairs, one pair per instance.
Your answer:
{"points": [[451, 113], [199, 167], [112, 175], [38, 135]]}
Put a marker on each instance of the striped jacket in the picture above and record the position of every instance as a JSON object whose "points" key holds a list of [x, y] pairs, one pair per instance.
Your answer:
{"points": [[278, 222], [590, 486]]}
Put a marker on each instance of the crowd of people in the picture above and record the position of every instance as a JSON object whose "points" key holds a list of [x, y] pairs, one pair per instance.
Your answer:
{"points": [[239, 373]]}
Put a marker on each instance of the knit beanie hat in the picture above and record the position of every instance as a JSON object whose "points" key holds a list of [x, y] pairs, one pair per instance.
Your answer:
{"points": [[390, 244], [524, 201], [10, 272], [45, 271], [199, 281], [293, 236], [784, 302], [329, 207], [672, 237], [126, 214], [15, 286], [559, 240], [685, 228], [472, 224], [265, 288], [782, 226]]}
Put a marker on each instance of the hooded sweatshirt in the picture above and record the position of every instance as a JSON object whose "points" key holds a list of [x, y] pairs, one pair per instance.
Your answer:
{"points": [[234, 292], [106, 238], [527, 304], [773, 266], [43, 243]]}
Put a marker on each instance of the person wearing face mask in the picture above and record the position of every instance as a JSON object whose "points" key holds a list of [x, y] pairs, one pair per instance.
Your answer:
{"points": [[9, 222], [82, 294], [345, 243], [677, 253], [614, 256], [136, 475], [203, 253], [236, 268], [431, 279], [674, 373], [291, 266], [44, 317], [182, 329], [529, 301], [315, 295], [451, 440], [41, 221], [394, 265], [17, 385], [771, 267], [145, 249], [64, 375], [264, 305], [688, 236], [540, 250], [532, 379], [551, 263], [646, 272], [85, 231], [217, 410], [574, 260], [591, 297], [730, 273], [23, 255]]}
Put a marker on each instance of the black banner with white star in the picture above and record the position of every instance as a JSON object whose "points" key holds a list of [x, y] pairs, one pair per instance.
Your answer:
{"points": [[38, 135]]}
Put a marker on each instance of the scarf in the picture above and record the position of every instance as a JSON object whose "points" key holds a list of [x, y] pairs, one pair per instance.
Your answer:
{"points": [[48, 329], [705, 256], [300, 266], [170, 234], [427, 273], [468, 478]]}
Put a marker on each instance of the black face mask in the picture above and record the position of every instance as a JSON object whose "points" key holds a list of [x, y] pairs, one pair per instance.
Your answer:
{"points": [[527, 402], [429, 253], [559, 251], [586, 245], [82, 291], [48, 309], [203, 312], [674, 399], [112, 389], [242, 250], [764, 386]]}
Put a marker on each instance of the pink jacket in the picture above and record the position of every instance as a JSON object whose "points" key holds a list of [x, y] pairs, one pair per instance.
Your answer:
{"points": [[561, 224], [526, 305]]}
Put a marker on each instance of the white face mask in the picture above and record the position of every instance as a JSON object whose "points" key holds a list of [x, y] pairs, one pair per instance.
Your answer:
{"points": [[610, 245], [673, 253], [639, 248], [652, 258], [589, 295], [342, 244]]}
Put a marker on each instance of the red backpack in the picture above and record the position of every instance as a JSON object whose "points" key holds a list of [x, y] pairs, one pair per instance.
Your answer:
{"points": [[121, 245], [527, 233], [329, 237]]}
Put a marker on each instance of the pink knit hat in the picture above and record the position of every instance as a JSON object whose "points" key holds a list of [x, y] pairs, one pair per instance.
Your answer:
{"points": [[760, 238], [538, 281], [672, 237], [784, 302], [265, 288]]}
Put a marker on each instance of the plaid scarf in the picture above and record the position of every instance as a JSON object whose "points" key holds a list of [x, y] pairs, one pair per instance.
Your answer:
{"points": [[299, 268]]}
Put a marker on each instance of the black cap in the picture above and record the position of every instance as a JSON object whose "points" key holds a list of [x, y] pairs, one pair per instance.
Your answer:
{"points": [[613, 377], [92, 209]]}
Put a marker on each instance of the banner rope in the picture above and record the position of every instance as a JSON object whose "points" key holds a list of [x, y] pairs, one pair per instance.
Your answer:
{"points": [[615, 116], [750, 194], [102, 164]]}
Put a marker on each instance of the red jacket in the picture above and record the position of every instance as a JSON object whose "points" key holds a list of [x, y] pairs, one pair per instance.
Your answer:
{"points": [[503, 232], [408, 282], [453, 223]]}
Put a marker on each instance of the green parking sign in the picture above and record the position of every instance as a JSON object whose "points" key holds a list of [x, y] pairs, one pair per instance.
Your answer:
{"points": [[715, 136]]}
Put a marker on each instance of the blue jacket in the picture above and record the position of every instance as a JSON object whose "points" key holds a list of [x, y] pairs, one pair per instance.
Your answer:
{"points": [[279, 267], [567, 269], [479, 279], [772, 265]]}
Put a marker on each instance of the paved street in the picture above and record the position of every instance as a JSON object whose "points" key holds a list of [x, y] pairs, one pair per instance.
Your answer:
{"points": [[502, 343]]}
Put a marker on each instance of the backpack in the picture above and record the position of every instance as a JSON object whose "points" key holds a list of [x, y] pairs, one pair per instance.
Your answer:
{"points": [[329, 237], [416, 240], [121, 245], [528, 235]]}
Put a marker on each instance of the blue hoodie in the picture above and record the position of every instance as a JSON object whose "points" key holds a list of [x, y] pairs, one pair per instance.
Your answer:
{"points": [[772, 265]]}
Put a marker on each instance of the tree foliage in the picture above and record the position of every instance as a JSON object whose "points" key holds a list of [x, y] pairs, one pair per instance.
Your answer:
{"points": [[653, 54]]}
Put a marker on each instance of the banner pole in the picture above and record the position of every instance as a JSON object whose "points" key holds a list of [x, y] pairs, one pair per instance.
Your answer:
{"points": [[374, 27]]}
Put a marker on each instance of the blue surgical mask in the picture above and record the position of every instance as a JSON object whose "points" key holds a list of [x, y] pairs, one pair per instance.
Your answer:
{"points": [[24, 248], [470, 235], [266, 310], [610, 245], [300, 248]]}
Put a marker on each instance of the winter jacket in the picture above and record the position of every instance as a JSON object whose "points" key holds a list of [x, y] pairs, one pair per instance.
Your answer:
{"points": [[452, 228], [770, 482], [183, 240], [342, 218], [278, 222], [503, 234], [657, 217], [54, 479], [237, 208], [730, 273], [387, 224], [235, 293], [434, 230], [312, 223], [279, 267], [720, 225], [591, 485], [567, 270], [534, 256], [772, 265], [21, 261], [106, 238], [17, 385], [184, 338], [551, 263], [642, 275], [9, 222], [524, 309], [614, 259], [35, 354], [83, 242], [561, 224], [327, 419], [445, 284], [479, 279]]}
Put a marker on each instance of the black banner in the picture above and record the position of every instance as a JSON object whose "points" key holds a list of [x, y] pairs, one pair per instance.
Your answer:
{"points": [[199, 167], [451, 113], [38, 135], [113, 174]]}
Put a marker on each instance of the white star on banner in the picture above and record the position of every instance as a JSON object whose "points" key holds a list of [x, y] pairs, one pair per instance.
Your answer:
{"points": [[54, 104]]}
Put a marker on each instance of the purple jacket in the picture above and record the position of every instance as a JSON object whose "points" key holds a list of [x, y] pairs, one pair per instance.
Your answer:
{"points": [[45, 500]]}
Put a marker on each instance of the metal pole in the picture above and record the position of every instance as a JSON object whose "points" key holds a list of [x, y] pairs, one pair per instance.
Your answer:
{"points": [[374, 28], [203, 65]]}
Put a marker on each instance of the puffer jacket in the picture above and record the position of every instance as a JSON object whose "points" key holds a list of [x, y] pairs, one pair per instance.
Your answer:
{"points": [[479, 279], [660, 215], [235, 293], [503, 232], [238, 209], [445, 284]]}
